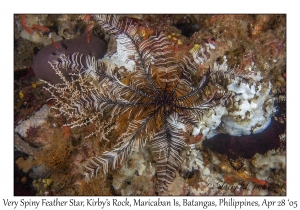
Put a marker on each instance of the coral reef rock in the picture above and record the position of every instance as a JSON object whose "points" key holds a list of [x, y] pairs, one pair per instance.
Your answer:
{"points": [[146, 113]]}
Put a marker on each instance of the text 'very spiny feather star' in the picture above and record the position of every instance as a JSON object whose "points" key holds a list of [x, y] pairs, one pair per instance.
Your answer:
{"points": [[161, 98]]}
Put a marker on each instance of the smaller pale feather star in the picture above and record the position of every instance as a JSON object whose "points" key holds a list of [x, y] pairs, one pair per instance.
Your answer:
{"points": [[160, 97]]}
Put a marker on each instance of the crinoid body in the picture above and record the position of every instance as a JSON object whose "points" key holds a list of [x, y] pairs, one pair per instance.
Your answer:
{"points": [[159, 97]]}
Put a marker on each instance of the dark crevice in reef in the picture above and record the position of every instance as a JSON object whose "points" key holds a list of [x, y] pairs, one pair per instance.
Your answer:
{"points": [[187, 26], [247, 146]]}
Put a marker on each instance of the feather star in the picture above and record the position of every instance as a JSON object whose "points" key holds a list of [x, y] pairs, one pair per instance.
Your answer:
{"points": [[161, 99]]}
